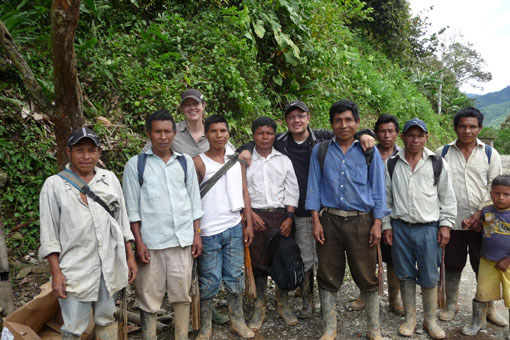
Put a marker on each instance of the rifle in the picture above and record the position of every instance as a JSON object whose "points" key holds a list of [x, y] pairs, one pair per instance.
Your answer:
{"points": [[195, 298], [123, 317], [442, 281], [249, 280], [380, 279]]}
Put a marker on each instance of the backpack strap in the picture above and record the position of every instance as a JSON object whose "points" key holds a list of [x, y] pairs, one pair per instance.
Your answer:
{"points": [[184, 165], [207, 185], [321, 153], [369, 155], [142, 160], [390, 163], [445, 150], [437, 167], [488, 152]]}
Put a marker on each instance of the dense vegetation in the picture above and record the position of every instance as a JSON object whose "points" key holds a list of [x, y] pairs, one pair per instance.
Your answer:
{"points": [[248, 57]]}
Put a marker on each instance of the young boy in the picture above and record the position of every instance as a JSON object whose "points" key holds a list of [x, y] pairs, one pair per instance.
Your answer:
{"points": [[494, 271]]}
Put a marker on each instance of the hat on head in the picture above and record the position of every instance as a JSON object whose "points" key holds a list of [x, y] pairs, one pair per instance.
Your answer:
{"points": [[296, 104], [78, 135], [192, 93], [415, 122]]}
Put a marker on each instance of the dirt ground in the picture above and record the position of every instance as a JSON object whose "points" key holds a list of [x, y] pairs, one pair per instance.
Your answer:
{"points": [[30, 274]]}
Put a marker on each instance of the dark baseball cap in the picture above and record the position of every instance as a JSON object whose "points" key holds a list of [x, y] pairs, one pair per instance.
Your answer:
{"points": [[415, 122], [192, 93], [296, 104], [78, 135]]}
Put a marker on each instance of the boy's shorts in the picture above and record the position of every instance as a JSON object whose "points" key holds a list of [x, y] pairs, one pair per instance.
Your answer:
{"points": [[491, 281]]}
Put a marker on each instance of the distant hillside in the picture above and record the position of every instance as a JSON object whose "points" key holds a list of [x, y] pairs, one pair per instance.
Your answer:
{"points": [[495, 106]]}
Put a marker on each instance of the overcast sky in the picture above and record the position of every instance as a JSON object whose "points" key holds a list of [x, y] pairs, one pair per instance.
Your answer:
{"points": [[486, 24]]}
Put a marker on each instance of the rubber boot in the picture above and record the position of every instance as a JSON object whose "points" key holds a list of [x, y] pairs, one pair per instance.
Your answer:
{"points": [[429, 298], [69, 336], [109, 332], [494, 317], [328, 310], [148, 325], [478, 319], [508, 335], [282, 307], [206, 307], [307, 296], [259, 311], [237, 322], [181, 320], [357, 304], [372, 312], [408, 292], [393, 291], [452, 296], [219, 318]]}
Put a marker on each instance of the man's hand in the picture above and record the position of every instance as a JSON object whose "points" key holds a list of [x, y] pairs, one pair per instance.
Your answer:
{"points": [[132, 269], [245, 155], [196, 248], [258, 222], [366, 141], [248, 235], [503, 264], [475, 222], [318, 233], [142, 253], [388, 237], [286, 227], [375, 234], [443, 236], [58, 285]]}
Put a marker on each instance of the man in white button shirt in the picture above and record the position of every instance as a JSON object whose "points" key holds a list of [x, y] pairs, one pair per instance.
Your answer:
{"points": [[274, 195], [473, 166]]}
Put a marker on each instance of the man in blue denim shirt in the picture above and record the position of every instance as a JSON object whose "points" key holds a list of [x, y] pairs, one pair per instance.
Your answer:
{"points": [[347, 202]]}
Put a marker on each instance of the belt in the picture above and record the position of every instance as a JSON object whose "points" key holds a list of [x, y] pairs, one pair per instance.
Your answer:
{"points": [[271, 210], [425, 224], [343, 213]]}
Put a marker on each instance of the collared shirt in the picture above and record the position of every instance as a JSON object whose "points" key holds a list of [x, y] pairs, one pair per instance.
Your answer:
{"points": [[185, 143], [345, 182], [396, 149], [413, 197], [90, 243], [165, 205], [272, 182], [471, 178]]}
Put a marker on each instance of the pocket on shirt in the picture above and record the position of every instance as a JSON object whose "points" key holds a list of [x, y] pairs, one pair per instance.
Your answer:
{"points": [[152, 188], [358, 173]]}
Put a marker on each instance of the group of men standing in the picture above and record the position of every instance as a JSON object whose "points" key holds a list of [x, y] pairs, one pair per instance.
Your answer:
{"points": [[187, 197]]}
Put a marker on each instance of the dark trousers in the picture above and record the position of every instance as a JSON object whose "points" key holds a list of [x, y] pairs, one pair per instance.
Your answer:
{"points": [[461, 243]]}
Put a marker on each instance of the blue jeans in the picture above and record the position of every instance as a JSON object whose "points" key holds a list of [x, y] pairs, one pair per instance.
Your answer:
{"points": [[222, 258], [416, 253]]}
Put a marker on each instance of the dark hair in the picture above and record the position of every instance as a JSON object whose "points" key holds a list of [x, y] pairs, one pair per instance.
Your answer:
{"points": [[217, 118], [503, 180], [342, 106], [161, 114], [468, 112], [263, 121], [386, 118]]}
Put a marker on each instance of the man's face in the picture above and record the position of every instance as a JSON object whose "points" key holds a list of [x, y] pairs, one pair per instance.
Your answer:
{"points": [[264, 137], [162, 136], [84, 155], [467, 130], [297, 121], [192, 109], [344, 126], [217, 135], [387, 135], [414, 139], [500, 196]]}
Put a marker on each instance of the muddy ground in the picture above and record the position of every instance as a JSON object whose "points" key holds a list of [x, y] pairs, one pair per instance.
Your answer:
{"points": [[29, 274]]}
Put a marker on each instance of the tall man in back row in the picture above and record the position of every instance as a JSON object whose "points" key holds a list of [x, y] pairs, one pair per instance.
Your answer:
{"points": [[347, 201]]}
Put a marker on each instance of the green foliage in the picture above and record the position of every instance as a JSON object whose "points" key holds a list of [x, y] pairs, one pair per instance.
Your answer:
{"points": [[495, 115], [502, 141]]}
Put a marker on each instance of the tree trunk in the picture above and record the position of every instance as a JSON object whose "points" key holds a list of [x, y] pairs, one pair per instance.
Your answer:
{"points": [[68, 97], [6, 299]]}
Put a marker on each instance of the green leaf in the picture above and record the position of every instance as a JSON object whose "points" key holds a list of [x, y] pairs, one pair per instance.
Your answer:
{"points": [[259, 29], [278, 80], [90, 4]]}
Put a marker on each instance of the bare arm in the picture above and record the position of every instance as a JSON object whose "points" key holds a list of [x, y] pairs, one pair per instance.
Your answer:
{"points": [[318, 232], [142, 253], [200, 168], [196, 248], [58, 281], [131, 262]]}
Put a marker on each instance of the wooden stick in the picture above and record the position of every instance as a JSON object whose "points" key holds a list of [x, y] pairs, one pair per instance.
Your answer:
{"points": [[251, 289], [123, 317], [442, 281], [380, 279], [195, 299]]}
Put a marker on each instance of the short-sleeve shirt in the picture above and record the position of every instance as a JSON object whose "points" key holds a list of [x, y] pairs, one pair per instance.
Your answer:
{"points": [[495, 233]]}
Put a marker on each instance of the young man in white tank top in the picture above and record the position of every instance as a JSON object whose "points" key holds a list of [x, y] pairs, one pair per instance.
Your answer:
{"points": [[222, 232]]}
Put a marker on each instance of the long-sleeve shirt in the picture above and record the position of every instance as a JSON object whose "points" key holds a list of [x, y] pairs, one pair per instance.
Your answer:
{"points": [[413, 197], [471, 178], [346, 183], [272, 182], [88, 240], [165, 205]]}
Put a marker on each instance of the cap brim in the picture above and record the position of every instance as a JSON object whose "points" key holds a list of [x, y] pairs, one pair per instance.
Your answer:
{"points": [[82, 137], [192, 97], [297, 106]]}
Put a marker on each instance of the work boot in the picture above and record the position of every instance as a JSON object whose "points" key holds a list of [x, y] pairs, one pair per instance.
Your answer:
{"points": [[219, 318], [148, 325], [357, 304], [452, 296], [393, 291], [237, 322], [70, 336], [282, 307], [494, 317], [429, 298], [307, 296], [181, 320], [408, 292], [328, 310], [109, 332], [259, 310], [206, 307], [372, 312], [478, 320]]}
